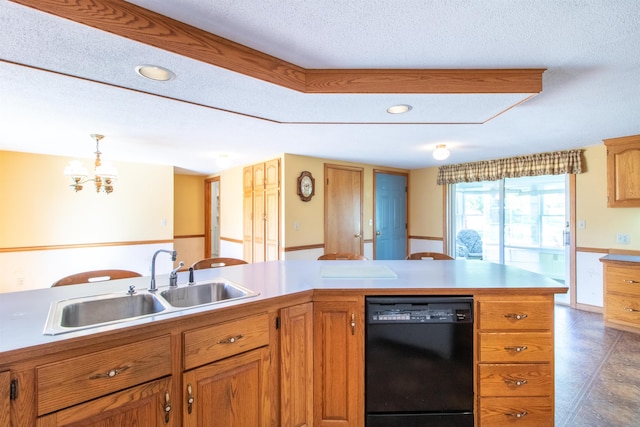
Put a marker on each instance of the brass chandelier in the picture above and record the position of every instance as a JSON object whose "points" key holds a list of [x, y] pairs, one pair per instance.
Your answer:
{"points": [[104, 173]]}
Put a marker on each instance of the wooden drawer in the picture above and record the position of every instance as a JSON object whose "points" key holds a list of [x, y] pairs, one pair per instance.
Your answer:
{"points": [[621, 308], [83, 378], [211, 343], [515, 315], [515, 347], [516, 411], [624, 280], [515, 380]]}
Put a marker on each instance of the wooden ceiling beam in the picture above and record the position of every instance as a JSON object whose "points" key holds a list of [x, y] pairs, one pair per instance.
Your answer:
{"points": [[142, 25]]}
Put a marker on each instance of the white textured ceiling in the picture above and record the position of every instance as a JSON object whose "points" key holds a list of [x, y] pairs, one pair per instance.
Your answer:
{"points": [[61, 81]]}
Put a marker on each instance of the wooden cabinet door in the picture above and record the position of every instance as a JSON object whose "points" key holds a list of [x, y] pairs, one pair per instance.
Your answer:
{"points": [[259, 221], [5, 398], [623, 180], [146, 405], [338, 379], [231, 392], [271, 236], [296, 364]]}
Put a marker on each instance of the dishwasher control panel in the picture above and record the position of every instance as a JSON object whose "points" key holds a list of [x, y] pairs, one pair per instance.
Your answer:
{"points": [[432, 310]]}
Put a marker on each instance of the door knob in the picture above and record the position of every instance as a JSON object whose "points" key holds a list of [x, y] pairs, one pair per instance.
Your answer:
{"points": [[356, 235], [378, 233]]}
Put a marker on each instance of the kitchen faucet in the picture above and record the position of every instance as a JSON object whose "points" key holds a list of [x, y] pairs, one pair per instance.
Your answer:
{"points": [[173, 254]]}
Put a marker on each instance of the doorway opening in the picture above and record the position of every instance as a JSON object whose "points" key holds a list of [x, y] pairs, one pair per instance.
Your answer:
{"points": [[212, 217]]}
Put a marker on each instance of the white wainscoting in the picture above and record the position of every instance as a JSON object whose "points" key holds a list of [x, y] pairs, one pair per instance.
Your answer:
{"points": [[589, 279], [28, 270]]}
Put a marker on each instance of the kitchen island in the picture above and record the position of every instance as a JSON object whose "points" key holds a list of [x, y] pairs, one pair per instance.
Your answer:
{"points": [[291, 354]]}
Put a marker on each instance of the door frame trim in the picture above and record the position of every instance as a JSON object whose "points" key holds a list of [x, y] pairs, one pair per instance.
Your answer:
{"points": [[207, 214]]}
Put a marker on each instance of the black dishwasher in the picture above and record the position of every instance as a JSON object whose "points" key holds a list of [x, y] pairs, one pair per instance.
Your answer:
{"points": [[419, 361]]}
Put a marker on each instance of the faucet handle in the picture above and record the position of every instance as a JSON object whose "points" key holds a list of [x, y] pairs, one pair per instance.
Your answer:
{"points": [[173, 277]]}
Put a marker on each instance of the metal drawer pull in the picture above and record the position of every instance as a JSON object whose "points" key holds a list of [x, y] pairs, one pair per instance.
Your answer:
{"points": [[516, 316], [632, 310], [353, 323], [112, 373], [630, 281], [516, 349], [514, 382], [190, 398], [230, 340], [167, 407], [517, 414]]}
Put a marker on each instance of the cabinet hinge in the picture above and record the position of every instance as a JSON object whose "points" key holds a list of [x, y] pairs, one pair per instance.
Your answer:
{"points": [[278, 322], [13, 392]]}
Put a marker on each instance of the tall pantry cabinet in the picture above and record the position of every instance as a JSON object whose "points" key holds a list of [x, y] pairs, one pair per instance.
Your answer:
{"points": [[261, 211]]}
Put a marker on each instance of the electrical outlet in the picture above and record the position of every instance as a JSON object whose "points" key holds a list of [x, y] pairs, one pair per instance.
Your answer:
{"points": [[623, 239]]}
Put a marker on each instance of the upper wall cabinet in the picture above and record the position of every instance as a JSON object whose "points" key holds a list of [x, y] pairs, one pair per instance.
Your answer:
{"points": [[623, 176]]}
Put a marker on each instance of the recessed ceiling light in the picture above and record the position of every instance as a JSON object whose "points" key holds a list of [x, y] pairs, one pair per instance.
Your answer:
{"points": [[155, 72], [399, 109]]}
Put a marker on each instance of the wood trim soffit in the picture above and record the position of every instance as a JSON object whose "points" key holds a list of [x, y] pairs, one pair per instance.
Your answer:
{"points": [[136, 23]]}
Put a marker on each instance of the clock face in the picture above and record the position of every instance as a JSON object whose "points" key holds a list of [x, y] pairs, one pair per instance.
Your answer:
{"points": [[306, 187]]}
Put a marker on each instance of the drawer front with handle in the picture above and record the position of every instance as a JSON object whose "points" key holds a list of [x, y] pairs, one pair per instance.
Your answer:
{"points": [[515, 315], [211, 343], [516, 347], [516, 411], [86, 377], [515, 380], [624, 280], [623, 308]]}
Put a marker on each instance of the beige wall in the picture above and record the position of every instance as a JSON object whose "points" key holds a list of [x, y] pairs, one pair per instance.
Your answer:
{"points": [[47, 231], [188, 206], [425, 204], [39, 209], [602, 223], [310, 215], [231, 204]]}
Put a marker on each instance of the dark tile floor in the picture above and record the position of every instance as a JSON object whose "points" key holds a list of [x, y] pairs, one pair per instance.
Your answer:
{"points": [[597, 372]]}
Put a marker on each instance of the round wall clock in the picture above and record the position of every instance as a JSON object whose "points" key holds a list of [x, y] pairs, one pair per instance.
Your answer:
{"points": [[306, 186]]}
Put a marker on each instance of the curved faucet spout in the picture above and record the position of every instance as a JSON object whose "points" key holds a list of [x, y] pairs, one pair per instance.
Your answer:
{"points": [[174, 255]]}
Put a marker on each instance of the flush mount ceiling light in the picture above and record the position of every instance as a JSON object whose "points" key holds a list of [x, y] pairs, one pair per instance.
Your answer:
{"points": [[441, 152], [104, 173], [155, 72], [399, 109]]}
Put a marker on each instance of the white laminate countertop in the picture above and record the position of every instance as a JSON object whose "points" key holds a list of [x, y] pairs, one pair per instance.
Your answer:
{"points": [[23, 314]]}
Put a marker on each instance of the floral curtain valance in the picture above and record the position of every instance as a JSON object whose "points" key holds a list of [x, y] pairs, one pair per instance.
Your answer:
{"points": [[556, 163]]}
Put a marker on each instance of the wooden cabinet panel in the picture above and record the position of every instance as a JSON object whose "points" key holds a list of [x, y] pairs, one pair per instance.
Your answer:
{"points": [[230, 392], [211, 343], [515, 315], [623, 280], [622, 295], [141, 406], [515, 347], [5, 398], [296, 365], [623, 164], [623, 308], [516, 411], [515, 384], [338, 364], [86, 377], [512, 380]]}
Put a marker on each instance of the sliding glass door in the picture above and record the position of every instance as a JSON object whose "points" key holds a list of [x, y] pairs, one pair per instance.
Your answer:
{"points": [[521, 222]]}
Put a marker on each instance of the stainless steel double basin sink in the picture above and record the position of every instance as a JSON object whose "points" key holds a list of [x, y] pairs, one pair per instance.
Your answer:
{"points": [[107, 309]]}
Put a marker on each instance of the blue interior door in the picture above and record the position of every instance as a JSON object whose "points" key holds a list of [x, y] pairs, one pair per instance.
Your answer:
{"points": [[390, 216]]}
